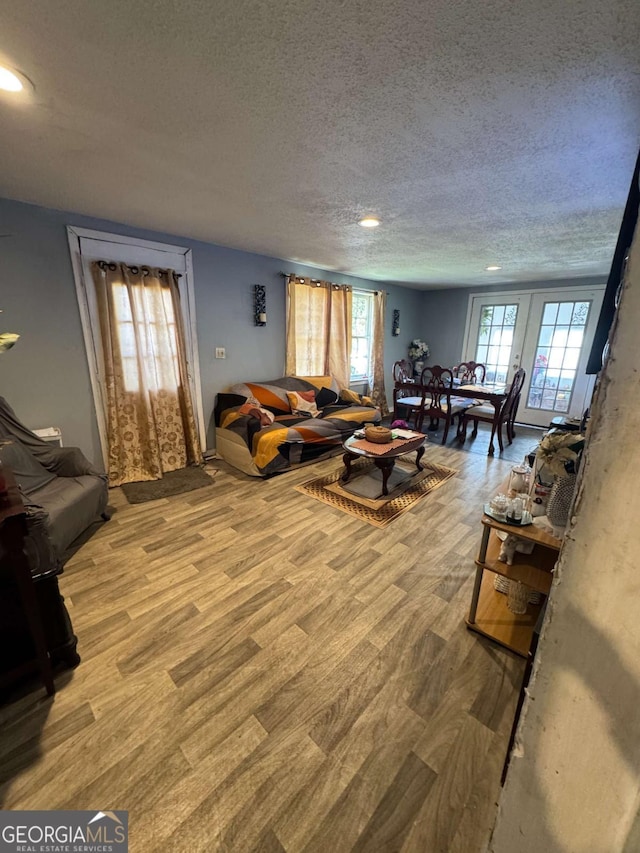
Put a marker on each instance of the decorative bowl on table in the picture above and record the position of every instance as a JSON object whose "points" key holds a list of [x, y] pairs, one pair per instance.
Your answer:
{"points": [[377, 434]]}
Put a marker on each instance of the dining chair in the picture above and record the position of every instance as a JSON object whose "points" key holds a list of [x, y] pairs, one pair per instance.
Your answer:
{"points": [[440, 402], [407, 395], [403, 371], [408, 402], [506, 415], [469, 371]]}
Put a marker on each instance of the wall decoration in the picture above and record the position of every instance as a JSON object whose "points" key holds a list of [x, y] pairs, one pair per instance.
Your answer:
{"points": [[259, 305], [395, 326]]}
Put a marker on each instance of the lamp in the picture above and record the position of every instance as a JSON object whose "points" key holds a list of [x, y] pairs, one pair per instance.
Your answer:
{"points": [[259, 305], [395, 326]]}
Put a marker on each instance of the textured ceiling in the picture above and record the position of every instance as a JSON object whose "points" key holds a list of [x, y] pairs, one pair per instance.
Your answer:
{"points": [[480, 132]]}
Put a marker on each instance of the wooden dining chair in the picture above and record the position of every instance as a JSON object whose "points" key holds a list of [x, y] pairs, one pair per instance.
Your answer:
{"points": [[408, 402], [504, 417], [440, 402], [402, 371], [408, 399], [471, 372]]}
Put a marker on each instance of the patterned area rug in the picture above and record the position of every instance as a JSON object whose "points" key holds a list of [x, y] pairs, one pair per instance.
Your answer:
{"points": [[172, 483], [362, 495]]}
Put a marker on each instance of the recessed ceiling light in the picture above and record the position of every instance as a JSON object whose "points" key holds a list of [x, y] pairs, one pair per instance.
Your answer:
{"points": [[9, 80], [493, 268], [369, 222]]}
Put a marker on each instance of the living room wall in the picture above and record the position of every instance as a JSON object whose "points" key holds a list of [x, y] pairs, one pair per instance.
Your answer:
{"points": [[45, 377]]}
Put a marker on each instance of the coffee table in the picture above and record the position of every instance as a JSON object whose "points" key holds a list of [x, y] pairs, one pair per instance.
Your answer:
{"points": [[384, 461]]}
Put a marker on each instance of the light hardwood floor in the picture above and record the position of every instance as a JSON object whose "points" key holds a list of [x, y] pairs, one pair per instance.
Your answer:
{"points": [[261, 672]]}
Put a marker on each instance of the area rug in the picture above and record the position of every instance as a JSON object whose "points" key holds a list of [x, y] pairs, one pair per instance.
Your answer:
{"points": [[172, 483], [362, 495]]}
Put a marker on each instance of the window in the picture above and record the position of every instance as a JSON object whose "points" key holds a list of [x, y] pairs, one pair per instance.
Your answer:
{"points": [[495, 339], [361, 335], [155, 344]]}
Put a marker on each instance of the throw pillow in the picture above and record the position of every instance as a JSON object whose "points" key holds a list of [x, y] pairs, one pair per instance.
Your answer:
{"points": [[367, 401], [326, 397], [263, 415], [303, 402], [225, 402], [348, 396]]}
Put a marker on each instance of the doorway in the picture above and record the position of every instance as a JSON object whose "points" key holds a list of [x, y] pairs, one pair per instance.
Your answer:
{"points": [[87, 246], [547, 332]]}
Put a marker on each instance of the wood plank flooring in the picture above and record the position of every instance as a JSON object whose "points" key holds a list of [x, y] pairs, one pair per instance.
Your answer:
{"points": [[261, 672]]}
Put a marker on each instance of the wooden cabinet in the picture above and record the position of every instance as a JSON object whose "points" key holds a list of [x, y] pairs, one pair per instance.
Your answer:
{"points": [[489, 614]]}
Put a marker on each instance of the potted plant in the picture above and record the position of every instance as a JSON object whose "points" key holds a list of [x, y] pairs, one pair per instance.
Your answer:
{"points": [[559, 454]]}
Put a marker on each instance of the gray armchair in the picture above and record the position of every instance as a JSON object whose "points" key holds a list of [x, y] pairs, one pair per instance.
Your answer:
{"points": [[63, 494]]}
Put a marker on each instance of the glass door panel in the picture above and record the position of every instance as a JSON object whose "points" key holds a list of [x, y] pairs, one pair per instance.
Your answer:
{"points": [[496, 334], [558, 339]]}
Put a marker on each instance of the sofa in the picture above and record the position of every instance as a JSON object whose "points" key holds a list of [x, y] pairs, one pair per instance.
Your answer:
{"points": [[63, 495], [264, 428]]}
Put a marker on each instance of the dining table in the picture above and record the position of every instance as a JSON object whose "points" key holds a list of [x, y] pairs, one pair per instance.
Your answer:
{"points": [[494, 393]]}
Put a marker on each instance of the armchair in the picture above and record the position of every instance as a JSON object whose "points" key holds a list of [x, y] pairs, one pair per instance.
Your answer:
{"points": [[63, 494]]}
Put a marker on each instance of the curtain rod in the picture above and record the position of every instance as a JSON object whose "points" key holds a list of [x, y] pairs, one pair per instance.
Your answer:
{"points": [[295, 275], [112, 265]]}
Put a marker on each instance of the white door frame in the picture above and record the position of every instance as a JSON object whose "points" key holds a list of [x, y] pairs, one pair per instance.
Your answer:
{"points": [[76, 237]]}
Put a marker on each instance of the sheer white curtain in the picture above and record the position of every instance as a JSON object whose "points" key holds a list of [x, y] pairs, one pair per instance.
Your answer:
{"points": [[318, 329]]}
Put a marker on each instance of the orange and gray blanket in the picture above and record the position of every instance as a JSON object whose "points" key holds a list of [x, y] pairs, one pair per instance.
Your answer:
{"points": [[280, 437]]}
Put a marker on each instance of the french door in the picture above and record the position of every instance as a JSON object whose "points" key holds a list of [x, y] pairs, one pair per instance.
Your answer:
{"points": [[549, 333]]}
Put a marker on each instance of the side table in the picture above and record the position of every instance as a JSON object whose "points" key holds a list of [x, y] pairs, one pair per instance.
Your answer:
{"points": [[489, 614]]}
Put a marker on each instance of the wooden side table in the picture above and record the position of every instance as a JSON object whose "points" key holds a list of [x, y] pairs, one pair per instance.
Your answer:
{"points": [[489, 614], [13, 530]]}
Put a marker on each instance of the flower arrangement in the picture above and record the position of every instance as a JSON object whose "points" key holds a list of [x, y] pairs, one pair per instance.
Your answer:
{"points": [[7, 339], [559, 452], [418, 350]]}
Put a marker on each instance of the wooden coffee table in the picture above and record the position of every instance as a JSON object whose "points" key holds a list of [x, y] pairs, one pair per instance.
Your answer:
{"points": [[385, 461]]}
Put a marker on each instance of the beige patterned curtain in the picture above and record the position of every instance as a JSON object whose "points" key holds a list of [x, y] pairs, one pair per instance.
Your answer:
{"points": [[376, 380], [318, 329], [150, 421]]}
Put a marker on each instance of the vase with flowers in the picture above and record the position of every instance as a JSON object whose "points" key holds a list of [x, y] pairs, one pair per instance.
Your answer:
{"points": [[558, 458], [418, 351]]}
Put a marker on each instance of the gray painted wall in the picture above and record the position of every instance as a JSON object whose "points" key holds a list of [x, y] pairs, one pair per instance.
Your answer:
{"points": [[45, 377], [445, 313]]}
